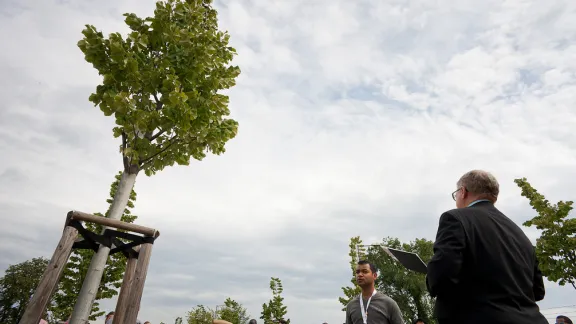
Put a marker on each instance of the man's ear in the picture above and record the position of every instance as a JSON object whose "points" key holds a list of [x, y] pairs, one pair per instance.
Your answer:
{"points": [[465, 193], [375, 275]]}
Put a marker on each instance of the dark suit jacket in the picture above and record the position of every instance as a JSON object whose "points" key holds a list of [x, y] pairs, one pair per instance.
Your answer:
{"points": [[484, 269]]}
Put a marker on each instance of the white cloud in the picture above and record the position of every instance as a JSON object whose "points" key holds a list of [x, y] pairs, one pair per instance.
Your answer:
{"points": [[356, 118]]}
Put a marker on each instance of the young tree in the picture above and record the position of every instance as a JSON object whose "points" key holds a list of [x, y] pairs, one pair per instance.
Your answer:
{"points": [[556, 246], [77, 267], [17, 287], [406, 287], [233, 312], [162, 85], [275, 310], [200, 315], [357, 252]]}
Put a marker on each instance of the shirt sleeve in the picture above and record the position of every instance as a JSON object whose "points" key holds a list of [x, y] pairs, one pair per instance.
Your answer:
{"points": [[348, 318], [444, 267], [395, 313]]}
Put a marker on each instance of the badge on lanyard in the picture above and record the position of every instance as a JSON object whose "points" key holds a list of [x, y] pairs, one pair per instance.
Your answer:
{"points": [[363, 311]]}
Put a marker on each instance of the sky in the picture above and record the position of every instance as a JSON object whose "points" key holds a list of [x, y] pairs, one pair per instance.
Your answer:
{"points": [[356, 118]]}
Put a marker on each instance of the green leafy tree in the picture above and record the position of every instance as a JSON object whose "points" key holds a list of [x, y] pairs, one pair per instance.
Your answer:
{"points": [[233, 312], [161, 83], [178, 320], [200, 315], [556, 246], [275, 311], [357, 252], [407, 288], [17, 287], [77, 267]]}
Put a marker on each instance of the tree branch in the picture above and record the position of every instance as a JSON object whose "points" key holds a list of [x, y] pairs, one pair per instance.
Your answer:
{"points": [[124, 158], [135, 139], [148, 159], [155, 136], [159, 103]]}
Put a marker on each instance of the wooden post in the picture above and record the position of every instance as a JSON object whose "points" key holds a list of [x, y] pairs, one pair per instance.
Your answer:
{"points": [[49, 281], [138, 283], [114, 223], [124, 296]]}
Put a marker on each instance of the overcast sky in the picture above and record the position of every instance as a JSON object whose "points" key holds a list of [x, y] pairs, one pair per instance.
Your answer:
{"points": [[356, 118]]}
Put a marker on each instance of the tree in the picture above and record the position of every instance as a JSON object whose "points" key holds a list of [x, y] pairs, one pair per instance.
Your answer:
{"points": [[233, 312], [161, 83], [77, 267], [200, 315], [556, 246], [357, 252], [406, 287], [17, 287], [275, 310]]}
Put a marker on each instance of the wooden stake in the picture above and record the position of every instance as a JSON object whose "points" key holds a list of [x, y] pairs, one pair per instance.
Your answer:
{"points": [[104, 221], [138, 283], [50, 278], [124, 296]]}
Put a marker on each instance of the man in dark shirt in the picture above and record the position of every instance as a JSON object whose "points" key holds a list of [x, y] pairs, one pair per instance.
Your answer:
{"points": [[371, 307], [484, 268]]}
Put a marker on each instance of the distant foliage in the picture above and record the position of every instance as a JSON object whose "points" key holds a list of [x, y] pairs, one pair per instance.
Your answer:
{"points": [[233, 312], [200, 315], [357, 252], [556, 246], [17, 287], [275, 310]]}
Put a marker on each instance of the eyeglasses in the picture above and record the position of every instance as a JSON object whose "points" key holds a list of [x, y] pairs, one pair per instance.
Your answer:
{"points": [[456, 191]]}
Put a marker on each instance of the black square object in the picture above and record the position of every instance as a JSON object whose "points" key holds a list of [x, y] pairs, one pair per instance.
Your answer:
{"points": [[409, 260]]}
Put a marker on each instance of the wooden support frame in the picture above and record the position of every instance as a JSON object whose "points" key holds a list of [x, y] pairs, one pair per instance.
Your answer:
{"points": [[138, 283], [50, 278], [134, 277], [147, 231], [124, 296]]}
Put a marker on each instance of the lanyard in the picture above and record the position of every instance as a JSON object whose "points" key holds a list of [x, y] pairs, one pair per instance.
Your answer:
{"points": [[363, 311]]}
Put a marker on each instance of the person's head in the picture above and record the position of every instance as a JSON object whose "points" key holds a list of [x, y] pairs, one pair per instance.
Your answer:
{"points": [[419, 321], [110, 315], [475, 185], [252, 321], [366, 274], [147, 322], [563, 320]]}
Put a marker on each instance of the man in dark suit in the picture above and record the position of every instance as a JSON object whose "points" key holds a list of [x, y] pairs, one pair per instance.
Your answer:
{"points": [[484, 268]]}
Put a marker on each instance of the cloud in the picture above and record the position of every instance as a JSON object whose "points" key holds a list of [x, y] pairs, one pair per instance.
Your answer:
{"points": [[356, 118]]}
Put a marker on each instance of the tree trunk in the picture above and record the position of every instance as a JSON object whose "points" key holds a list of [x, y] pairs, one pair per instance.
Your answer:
{"points": [[87, 295]]}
